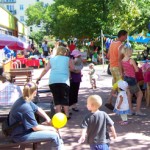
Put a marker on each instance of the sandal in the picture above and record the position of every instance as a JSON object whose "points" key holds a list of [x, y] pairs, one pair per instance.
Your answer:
{"points": [[124, 123]]}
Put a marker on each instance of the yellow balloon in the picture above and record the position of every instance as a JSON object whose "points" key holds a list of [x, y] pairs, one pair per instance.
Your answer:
{"points": [[59, 120]]}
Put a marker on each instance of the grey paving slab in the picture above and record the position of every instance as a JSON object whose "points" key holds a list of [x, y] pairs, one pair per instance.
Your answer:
{"points": [[134, 136]]}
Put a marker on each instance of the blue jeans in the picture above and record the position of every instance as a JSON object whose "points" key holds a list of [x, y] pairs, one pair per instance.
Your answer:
{"points": [[50, 136], [99, 147]]}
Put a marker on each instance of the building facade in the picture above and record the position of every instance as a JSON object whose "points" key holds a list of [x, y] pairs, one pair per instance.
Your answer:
{"points": [[18, 8], [10, 25]]}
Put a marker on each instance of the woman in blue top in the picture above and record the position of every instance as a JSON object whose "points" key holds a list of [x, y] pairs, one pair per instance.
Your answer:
{"points": [[59, 83], [23, 111]]}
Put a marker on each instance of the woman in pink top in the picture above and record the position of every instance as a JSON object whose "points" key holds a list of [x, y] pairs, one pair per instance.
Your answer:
{"points": [[129, 68]]}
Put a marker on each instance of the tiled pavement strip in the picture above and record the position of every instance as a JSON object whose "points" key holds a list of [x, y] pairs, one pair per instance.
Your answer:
{"points": [[134, 136]]}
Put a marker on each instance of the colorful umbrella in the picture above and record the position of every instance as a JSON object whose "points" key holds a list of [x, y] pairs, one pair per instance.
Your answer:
{"points": [[12, 42]]}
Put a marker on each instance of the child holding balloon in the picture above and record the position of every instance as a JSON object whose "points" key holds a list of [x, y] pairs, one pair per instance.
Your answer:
{"points": [[23, 111], [95, 125]]}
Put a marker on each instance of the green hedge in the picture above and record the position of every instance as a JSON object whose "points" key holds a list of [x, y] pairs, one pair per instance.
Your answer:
{"points": [[137, 46]]}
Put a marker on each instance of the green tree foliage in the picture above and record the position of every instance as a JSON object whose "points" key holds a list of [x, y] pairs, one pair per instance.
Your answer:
{"points": [[143, 20], [37, 36], [86, 18], [35, 14]]}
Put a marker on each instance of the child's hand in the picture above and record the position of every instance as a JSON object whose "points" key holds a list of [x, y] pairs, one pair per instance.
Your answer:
{"points": [[114, 135], [118, 107], [114, 95], [81, 140]]}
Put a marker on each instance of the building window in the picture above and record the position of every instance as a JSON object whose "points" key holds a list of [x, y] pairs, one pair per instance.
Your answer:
{"points": [[22, 18], [8, 1], [10, 7], [21, 7]]}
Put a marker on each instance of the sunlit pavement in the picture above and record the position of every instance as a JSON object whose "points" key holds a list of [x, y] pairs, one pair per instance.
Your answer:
{"points": [[134, 136]]}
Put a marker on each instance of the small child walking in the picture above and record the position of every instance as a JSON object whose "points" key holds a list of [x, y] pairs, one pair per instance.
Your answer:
{"points": [[92, 74], [122, 105], [95, 125]]}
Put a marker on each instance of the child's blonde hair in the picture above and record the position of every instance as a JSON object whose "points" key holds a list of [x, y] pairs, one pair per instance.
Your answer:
{"points": [[61, 50], [126, 49], [7, 76], [91, 64], [95, 100], [29, 89]]}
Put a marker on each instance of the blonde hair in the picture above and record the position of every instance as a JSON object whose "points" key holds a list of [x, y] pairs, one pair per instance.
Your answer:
{"points": [[126, 49], [61, 50], [7, 76], [91, 64], [29, 89], [95, 100]]}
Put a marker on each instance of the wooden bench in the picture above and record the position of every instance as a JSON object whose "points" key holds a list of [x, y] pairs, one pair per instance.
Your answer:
{"points": [[6, 142], [47, 107], [21, 75], [42, 93]]}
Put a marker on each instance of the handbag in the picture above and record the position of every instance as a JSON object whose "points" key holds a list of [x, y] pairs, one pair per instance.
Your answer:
{"points": [[6, 128]]}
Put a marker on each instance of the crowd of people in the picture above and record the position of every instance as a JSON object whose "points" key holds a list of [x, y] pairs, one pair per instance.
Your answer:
{"points": [[143, 55], [65, 65]]}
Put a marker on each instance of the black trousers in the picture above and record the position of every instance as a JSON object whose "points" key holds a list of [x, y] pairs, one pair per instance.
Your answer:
{"points": [[45, 53], [73, 93]]}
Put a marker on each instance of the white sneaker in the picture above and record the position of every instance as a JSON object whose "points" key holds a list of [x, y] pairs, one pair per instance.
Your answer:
{"points": [[131, 113], [140, 114]]}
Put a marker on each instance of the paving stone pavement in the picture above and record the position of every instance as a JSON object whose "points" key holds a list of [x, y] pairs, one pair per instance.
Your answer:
{"points": [[134, 136]]}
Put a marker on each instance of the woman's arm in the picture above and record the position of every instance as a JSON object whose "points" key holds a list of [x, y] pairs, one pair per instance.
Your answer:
{"points": [[71, 65], [41, 127], [120, 57], [132, 62], [46, 69], [42, 113]]}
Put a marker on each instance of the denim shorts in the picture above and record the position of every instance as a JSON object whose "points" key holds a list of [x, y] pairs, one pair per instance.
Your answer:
{"points": [[131, 81], [100, 147], [133, 85]]}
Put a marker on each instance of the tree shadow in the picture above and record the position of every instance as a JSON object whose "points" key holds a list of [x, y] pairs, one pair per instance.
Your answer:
{"points": [[137, 127]]}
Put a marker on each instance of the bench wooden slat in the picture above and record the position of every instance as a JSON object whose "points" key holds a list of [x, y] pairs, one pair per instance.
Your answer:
{"points": [[7, 142]]}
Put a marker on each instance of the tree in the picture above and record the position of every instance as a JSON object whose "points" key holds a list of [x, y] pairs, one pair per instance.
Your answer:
{"points": [[141, 22], [35, 14], [37, 36], [87, 18]]}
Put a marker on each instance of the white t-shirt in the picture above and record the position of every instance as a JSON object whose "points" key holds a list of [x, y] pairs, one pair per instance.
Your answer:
{"points": [[125, 104]]}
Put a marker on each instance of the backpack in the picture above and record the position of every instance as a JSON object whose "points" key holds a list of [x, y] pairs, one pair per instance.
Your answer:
{"points": [[6, 128]]}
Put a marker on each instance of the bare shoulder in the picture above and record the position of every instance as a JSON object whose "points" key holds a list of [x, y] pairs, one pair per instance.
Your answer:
{"points": [[132, 61]]}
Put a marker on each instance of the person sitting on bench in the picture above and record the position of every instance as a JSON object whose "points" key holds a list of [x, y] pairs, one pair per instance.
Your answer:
{"points": [[9, 92], [23, 111]]}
